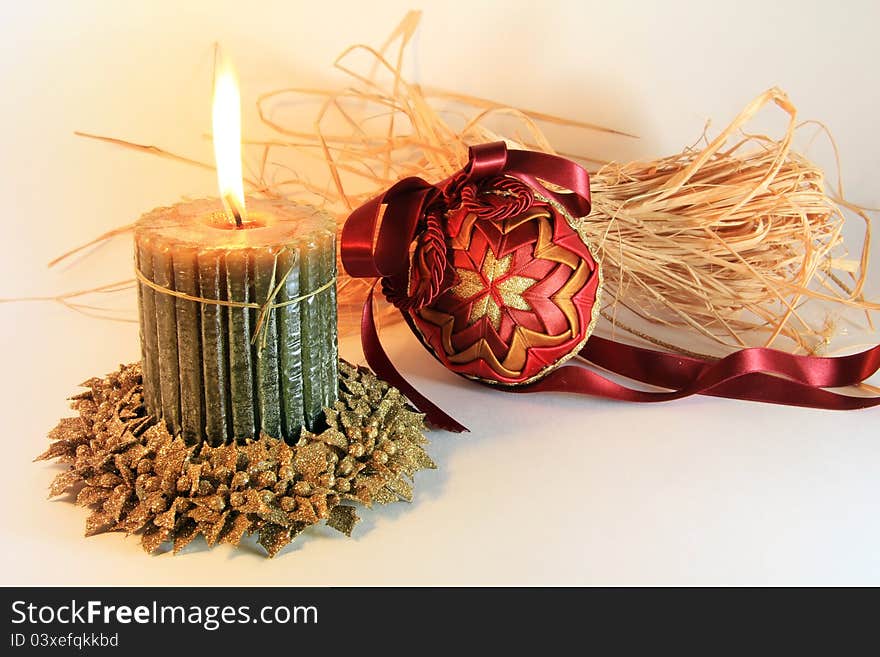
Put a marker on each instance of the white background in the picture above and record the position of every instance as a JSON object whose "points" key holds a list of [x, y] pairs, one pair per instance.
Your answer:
{"points": [[545, 490]]}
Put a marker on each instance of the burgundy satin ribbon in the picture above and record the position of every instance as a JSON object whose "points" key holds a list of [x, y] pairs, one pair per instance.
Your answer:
{"points": [[755, 374], [376, 244], [381, 364]]}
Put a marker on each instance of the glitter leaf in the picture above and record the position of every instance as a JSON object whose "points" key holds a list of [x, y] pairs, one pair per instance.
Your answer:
{"points": [[343, 518], [139, 478]]}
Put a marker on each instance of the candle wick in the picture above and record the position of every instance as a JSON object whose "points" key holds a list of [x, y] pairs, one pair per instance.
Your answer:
{"points": [[233, 211]]}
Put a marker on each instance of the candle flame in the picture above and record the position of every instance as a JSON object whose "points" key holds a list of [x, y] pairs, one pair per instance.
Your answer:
{"points": [[227, 138]]}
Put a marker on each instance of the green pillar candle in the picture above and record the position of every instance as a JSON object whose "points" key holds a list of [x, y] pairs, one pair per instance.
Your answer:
{"points": [[218, 365]]}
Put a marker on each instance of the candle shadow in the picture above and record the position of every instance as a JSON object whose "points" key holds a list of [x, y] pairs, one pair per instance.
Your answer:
{"points": [[69, 496]]}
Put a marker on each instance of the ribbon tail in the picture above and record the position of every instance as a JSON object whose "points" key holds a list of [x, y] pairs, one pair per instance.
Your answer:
{"points": [[381, 364], [751, 374], [674, 371], [582, 381]]}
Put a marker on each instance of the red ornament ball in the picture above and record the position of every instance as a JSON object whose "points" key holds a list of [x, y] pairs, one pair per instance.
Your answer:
{"points": [[522, 294]]}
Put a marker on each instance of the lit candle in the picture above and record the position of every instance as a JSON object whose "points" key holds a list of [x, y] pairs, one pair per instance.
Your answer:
{"points": [[237, 304]]}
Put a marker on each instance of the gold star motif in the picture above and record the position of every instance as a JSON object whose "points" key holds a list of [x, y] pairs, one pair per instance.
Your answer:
{"points": [[492, 283]]}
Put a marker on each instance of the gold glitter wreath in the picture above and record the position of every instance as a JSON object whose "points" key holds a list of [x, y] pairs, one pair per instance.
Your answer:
{"points": [[138, 478]]}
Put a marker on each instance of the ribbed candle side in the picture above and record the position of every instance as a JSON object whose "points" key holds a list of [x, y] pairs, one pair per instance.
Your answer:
{"points": [[265, 343], [330, 362], [313, 344], [215, 347], [290, 346], [241, 380], [166, 326], [189, 346], [148, 334]]}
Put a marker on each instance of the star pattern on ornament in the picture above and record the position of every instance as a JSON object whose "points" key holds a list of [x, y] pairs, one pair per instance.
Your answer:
{"points": [[494, 287], [509, 319]]}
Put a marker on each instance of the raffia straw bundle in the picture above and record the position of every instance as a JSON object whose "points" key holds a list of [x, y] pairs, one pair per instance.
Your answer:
{"points": [[720, 245], [729, 240]]}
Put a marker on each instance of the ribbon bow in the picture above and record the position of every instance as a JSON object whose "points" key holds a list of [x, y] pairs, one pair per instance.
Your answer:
{"points": [[376, 242]]}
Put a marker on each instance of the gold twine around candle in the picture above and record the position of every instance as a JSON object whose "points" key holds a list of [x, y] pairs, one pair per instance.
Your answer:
{"points": [[265, 308]]}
